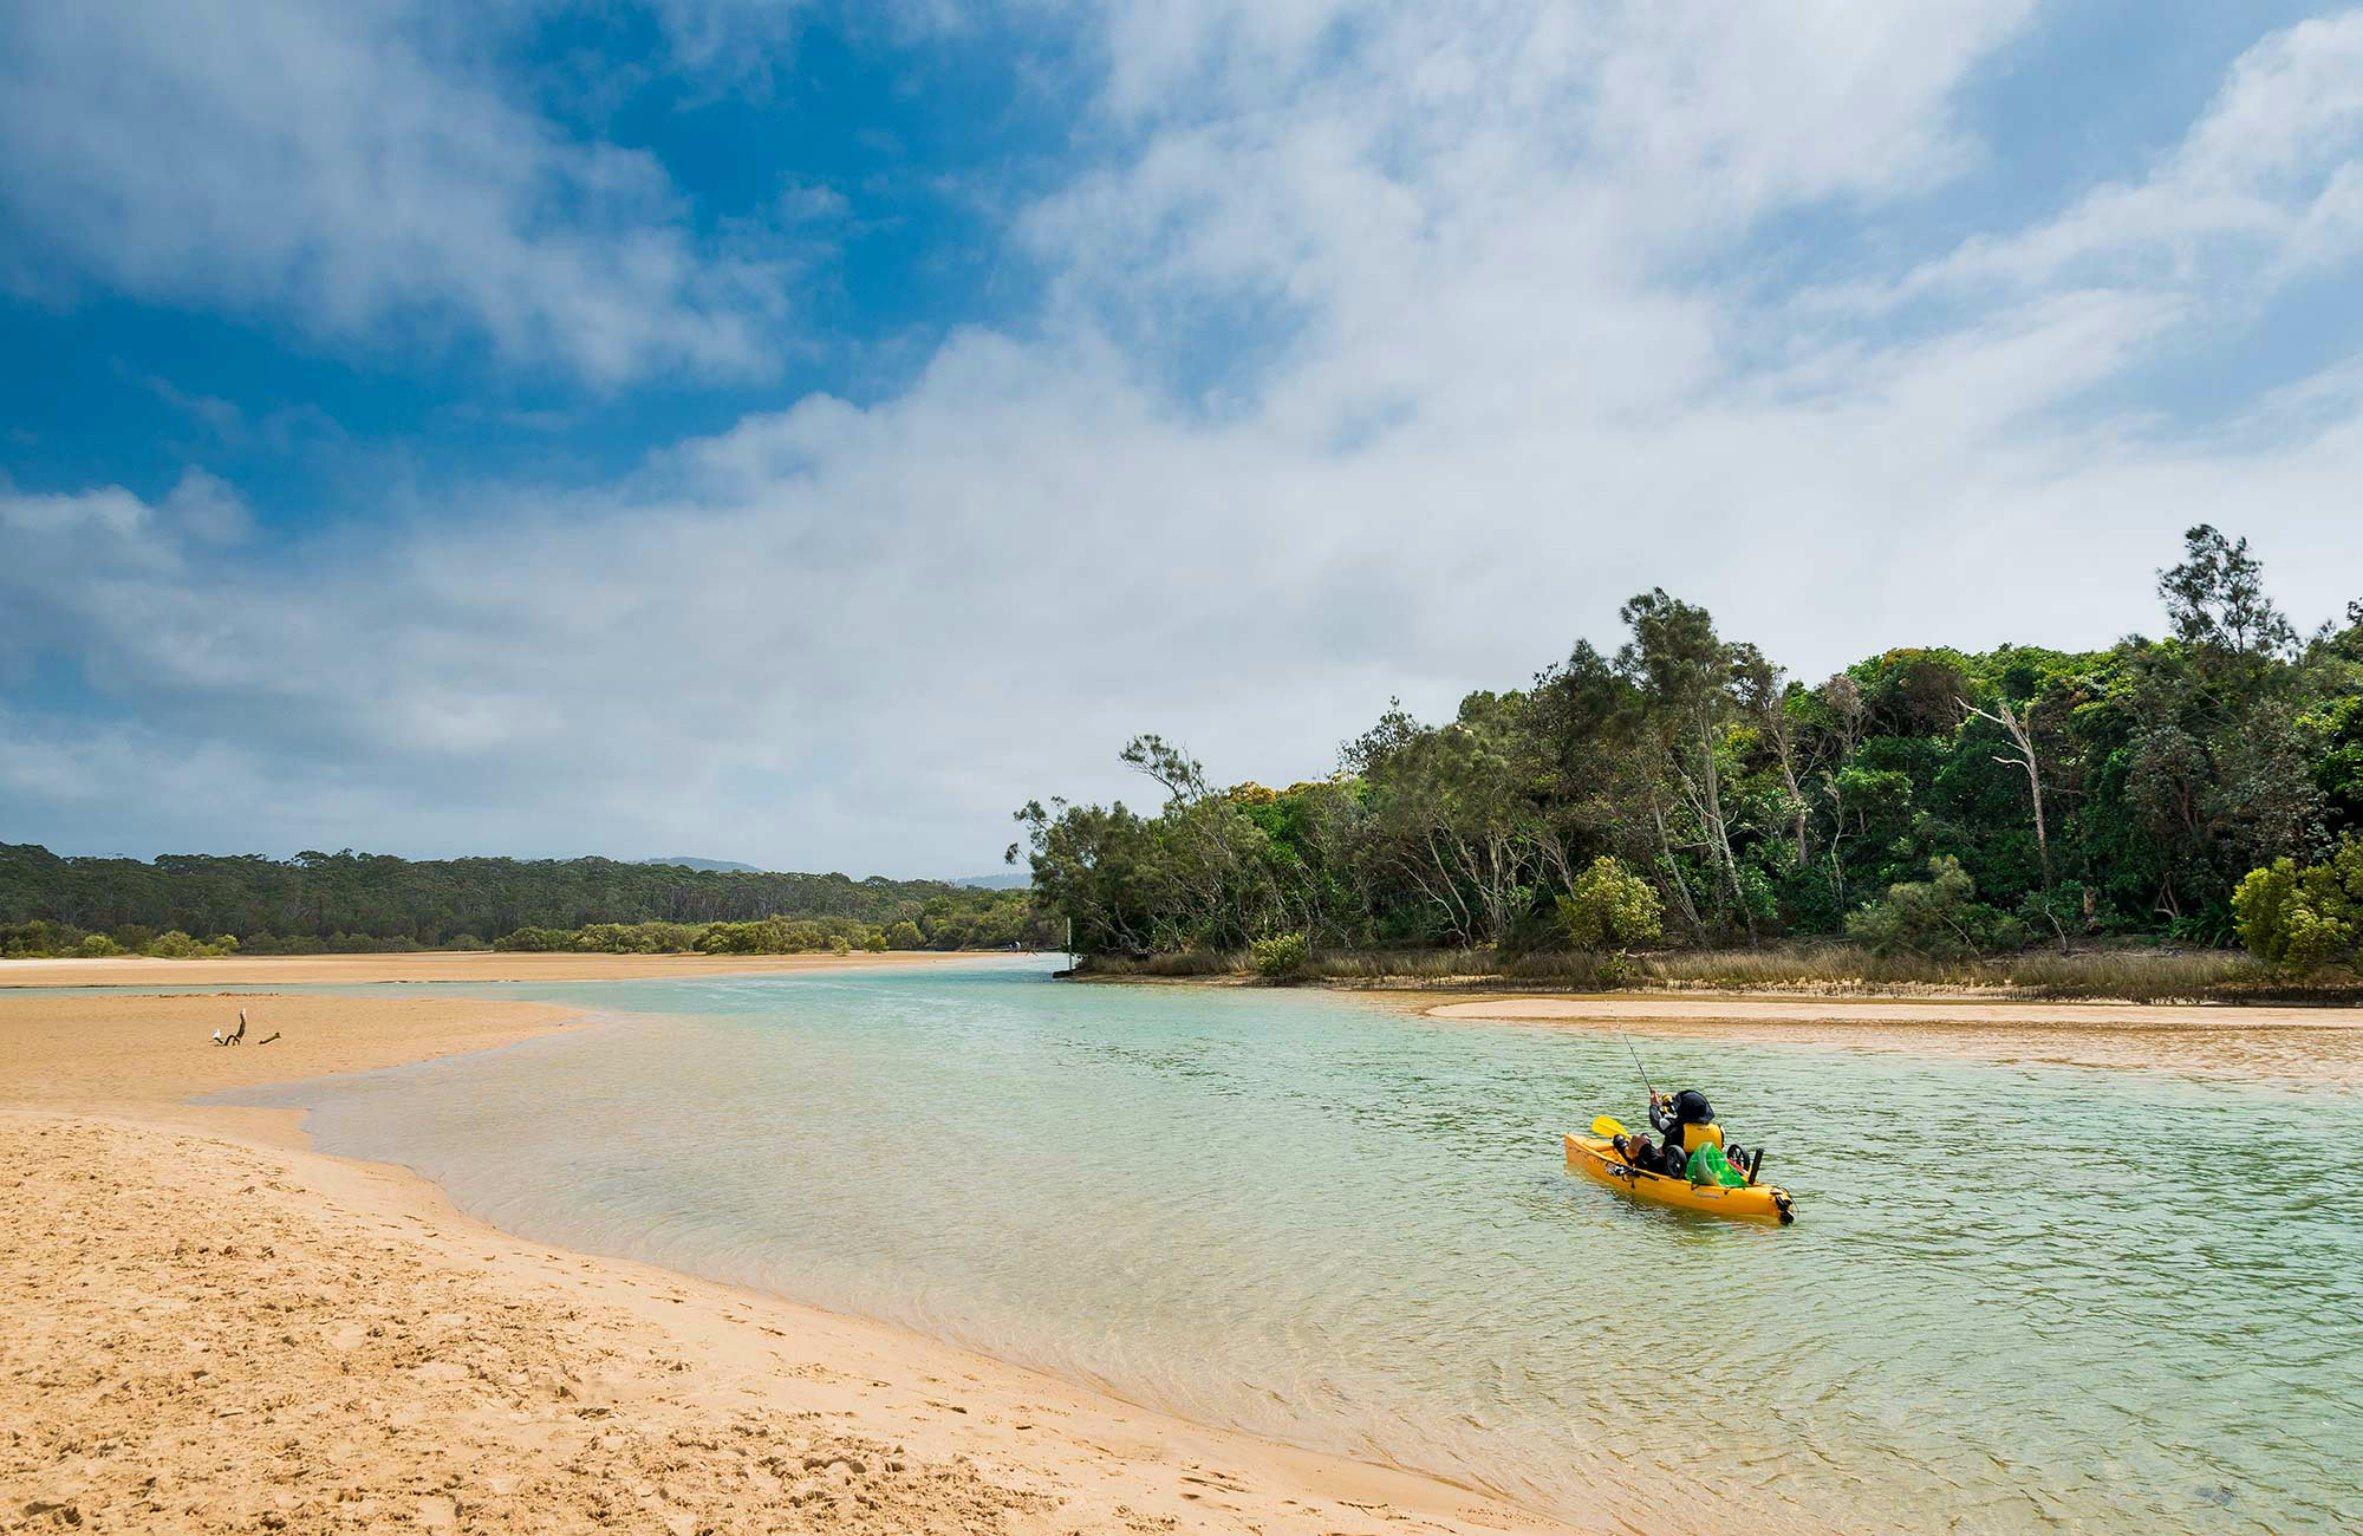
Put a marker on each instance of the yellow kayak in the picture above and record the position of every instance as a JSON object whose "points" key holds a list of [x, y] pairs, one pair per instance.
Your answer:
{"points": [[1595, 1158]]}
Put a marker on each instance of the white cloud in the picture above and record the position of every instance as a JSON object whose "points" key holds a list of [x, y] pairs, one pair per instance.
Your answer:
{"points": [[360, 168], [1509, 397], [2266, 183]]}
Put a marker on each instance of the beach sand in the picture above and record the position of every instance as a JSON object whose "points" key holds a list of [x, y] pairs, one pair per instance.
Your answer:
{"points": [[2306, 1047], [212, 1328]]}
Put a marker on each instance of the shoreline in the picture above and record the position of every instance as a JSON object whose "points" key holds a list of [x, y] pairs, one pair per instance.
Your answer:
{"points": [[473, 1380], [2321, 1046]]}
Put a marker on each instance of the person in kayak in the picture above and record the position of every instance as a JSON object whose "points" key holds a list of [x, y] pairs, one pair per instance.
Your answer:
{"points": [[1686, 1120], [1672, 1115]]}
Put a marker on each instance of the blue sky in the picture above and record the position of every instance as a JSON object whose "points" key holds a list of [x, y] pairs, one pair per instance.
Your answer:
{"points": [[800, 433]]}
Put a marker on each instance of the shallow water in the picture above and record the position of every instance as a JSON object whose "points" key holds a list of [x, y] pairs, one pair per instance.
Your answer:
{"points": [[2017, 1298]]}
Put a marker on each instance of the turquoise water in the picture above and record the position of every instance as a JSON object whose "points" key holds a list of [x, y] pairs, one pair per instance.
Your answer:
{"points": [[2016, 1298]]}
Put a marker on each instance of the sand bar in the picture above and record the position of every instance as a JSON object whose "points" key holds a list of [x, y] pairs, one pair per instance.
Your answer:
{"points": [[2309, 1047], [215, 1329]]}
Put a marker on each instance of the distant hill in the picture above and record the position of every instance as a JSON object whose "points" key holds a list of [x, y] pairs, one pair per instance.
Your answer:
{"points": [[359, 900], [1016, 880], [723, 866]]}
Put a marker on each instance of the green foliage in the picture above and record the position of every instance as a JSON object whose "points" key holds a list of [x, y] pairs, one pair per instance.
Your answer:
{"points": [[40, 937], [2084, 797], [1610, 907], [904, 934], [1282, 957], [2305, 917], [318, 902], [1938, 918], [177, 945]]}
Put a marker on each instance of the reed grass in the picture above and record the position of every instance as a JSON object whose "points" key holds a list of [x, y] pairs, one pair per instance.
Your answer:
{"points": [[2131, 973]]}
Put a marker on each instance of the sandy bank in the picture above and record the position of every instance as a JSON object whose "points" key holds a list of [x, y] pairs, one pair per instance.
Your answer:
{"points": [[438, 965], [217, 1331], [2314, 1046]]}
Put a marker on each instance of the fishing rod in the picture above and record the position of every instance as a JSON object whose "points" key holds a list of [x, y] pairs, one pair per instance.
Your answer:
{"points": [[1644, 1071]]}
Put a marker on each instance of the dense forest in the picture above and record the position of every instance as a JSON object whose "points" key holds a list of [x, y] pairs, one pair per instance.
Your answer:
{"points": [[189, 903], [1683, 791]]}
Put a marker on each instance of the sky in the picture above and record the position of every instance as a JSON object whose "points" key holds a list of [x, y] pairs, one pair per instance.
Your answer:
{"points": [[800, 433]]}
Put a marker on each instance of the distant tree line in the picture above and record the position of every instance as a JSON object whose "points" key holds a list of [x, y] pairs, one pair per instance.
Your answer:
{"points": [[350, 901], [1684, 790]]}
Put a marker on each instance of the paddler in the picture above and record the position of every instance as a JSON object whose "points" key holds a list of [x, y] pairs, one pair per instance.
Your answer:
{"points": [[1674, 1115]]}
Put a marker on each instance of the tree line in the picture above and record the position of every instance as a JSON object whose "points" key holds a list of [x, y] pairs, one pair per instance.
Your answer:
{"points": [[1925, 799], [360, 901]]}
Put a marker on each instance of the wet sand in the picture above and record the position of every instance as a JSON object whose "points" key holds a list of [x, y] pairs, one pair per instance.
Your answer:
{"points": [[440, 965], [2314, 1047], [215, 1329]]}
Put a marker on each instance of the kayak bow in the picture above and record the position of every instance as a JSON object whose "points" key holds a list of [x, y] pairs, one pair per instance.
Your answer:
{"points": [[1598, 1160]]}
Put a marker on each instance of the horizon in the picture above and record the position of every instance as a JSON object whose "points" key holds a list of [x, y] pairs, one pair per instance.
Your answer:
{"points": [[808, 435]]}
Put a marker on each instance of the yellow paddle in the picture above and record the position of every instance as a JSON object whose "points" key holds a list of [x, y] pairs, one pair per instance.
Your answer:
{"points": [[1609, 1126]]}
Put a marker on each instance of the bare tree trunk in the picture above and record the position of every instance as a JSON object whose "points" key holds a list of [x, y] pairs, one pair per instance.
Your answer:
{"points": [[1788, 773], [1711, 812], [1665, 844], [2022, 737]]}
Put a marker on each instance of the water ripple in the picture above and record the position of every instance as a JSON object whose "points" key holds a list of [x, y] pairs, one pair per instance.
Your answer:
{"points": [[2020, 1298]]}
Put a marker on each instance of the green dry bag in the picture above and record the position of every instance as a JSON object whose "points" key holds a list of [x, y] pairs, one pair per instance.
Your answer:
{"points": [[1708, 1165]]}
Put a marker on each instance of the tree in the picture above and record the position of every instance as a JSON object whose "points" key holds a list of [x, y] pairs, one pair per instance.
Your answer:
{"points": [[1685, 675], [2216, 600]]}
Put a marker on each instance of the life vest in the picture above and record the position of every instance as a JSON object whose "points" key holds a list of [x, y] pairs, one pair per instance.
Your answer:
{"points": [[1697, 1136]]}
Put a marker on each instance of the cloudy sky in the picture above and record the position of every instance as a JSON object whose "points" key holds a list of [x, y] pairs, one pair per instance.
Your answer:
{"points": [[800, 432]]}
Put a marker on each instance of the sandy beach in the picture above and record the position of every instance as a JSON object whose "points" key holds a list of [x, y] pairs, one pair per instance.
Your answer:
{"points": [[217, 1329], [2318, 1047]]}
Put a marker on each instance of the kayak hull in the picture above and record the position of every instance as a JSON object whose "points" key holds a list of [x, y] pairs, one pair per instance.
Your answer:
{"points": [[1597, 1159]]}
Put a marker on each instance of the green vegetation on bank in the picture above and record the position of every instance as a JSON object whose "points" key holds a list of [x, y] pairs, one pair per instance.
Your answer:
{"points": [[767, 936], [1936, 810], [352, 902]]}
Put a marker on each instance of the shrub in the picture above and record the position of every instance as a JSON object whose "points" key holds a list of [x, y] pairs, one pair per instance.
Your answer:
{"points": [[2304, 917], [1610, 907], [97, 946], [1938, 918], [636, 938], [177, 945], [535, 940], [1282, 957], [904, 935]]}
